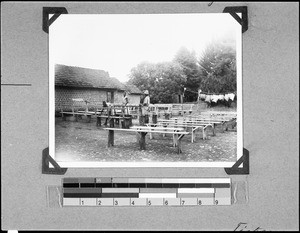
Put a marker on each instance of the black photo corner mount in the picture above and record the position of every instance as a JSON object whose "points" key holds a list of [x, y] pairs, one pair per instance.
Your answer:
{"points": [[243, 21], [233, 10], [46, 159], [57, 11], [245, 170]]}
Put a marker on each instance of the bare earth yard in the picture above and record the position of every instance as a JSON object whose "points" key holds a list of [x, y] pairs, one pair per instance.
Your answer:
{"points": [[81, 141]]}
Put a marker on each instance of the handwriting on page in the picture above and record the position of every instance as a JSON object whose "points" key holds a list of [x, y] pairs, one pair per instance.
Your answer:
{"points": [[246, 227]]}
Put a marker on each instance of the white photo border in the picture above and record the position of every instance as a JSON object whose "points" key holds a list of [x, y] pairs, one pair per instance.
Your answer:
{"points": [[95, 164]]}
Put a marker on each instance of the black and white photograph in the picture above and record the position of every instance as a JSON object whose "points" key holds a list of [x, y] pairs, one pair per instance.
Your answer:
{"points": [[145, 90]]}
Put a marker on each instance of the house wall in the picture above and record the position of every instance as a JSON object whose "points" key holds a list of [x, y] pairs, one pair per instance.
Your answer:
{"points": [[64, 96], [132, 98]]}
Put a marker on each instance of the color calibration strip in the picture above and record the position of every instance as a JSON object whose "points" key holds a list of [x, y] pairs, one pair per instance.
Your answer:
{"points": [[146, 191]]}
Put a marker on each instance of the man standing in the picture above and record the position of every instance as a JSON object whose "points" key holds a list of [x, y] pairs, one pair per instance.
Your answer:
{"points": [[145, 102], [125, 102]]}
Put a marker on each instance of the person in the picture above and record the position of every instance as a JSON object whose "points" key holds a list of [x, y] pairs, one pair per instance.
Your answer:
{"points": [[146, 101], [125, 98], [104, 107], [125, 102], [144, 106]]}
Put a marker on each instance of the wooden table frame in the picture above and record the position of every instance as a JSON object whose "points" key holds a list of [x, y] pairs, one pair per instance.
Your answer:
{"points": [[194, 127], [142, 132]]}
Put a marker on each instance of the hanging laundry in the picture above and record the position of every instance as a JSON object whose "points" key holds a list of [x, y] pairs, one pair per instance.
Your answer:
{"points": [[202, 96], [221, 97], [231, 96], [208, 98], [226, 97], [214, 98]]}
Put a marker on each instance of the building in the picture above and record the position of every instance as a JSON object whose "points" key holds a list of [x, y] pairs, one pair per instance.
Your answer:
{"points": [[94, 86]]}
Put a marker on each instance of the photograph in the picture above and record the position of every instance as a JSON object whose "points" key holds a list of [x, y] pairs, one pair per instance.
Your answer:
{"points": [[145, 90]]}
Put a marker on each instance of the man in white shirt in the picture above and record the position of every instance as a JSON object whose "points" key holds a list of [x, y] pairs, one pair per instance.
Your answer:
{"points": [[144, 107], [125, 102], [146, 103]]}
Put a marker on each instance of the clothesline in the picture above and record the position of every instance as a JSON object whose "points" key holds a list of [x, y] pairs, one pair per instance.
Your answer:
{"points": [[206, 93], [213, 93], [215, 98]]}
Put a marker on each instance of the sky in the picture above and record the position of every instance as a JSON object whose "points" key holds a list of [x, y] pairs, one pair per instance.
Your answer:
{"points": [[118, 42]]}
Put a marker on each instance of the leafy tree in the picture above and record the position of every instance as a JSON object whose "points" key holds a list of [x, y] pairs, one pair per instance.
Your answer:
{"points": [[163, 80], [218, 65], [191, 69]]}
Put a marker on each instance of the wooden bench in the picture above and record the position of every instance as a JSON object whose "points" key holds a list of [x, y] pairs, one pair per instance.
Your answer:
{"points": [[187, 108], [76, 115], [142, 136], [77, 104], [126, 120], [194, 127], [193, 121], [215, 121], [225, 120], [154, 128]]}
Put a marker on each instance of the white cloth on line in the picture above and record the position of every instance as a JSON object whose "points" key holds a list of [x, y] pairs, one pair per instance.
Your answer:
{"points": [[207, 98], [231, 96], [226, 97], [214, 98]]}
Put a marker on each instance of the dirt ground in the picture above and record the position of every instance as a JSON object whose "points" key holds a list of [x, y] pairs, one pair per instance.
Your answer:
{"points": [[82, 141]]}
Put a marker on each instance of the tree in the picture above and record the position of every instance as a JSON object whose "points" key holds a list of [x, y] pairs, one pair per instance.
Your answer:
{"points": [[163, 80], [218, 65], [191, 69]]}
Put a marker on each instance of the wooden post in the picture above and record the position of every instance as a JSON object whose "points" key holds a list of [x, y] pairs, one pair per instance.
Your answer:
{"points": [[179, 145], [140, 115], [154, 118], [110, 138], [98, 121], [138, 136], [214, 129], [143, 140], [146, 117], [111, 122], [204, 133], [142, 120], [128, 121], [193, 134], [89, 118], [150, 134], [167, 116], [222, 127], [226, 126], [117, 120], [175, 140]]}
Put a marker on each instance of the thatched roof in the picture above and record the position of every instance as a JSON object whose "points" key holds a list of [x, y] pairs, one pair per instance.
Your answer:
{"points": [[132, 89], [71, 76]]}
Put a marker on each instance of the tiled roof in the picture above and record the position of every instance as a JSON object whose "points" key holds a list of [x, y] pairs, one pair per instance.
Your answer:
{"points": [[71, 76]]}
